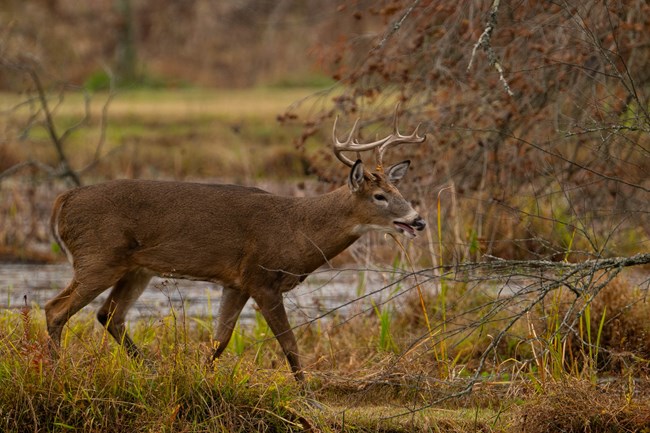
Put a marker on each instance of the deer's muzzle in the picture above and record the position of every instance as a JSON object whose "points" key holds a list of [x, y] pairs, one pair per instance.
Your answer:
{"points": [[419, 224], [408, 228]]}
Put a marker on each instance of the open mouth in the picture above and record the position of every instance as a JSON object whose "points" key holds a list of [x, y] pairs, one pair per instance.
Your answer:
{"points": [[405, 229]]}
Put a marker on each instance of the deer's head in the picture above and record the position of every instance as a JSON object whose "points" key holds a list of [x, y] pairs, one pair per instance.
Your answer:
{"points": [[385, 209]]}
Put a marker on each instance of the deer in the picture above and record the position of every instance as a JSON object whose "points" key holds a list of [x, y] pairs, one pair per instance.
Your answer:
{"points": [[119, 234]]}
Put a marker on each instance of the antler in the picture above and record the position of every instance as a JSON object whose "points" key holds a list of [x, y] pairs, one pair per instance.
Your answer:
{"points": [[352, 145]]}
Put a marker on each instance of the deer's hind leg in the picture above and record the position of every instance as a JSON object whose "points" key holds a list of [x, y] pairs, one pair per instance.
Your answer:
{"points": [[112, 314], [79, 293]]}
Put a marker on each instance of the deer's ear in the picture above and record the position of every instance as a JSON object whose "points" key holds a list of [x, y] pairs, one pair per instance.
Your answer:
{"points": [[356, 179], [398, 171]]}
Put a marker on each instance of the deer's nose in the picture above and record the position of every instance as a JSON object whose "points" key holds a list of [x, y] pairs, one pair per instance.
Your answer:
{"points": [[419, 224]]}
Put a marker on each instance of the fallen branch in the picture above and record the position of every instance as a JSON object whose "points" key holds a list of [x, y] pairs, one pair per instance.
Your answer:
{"points": [[527, 283]]}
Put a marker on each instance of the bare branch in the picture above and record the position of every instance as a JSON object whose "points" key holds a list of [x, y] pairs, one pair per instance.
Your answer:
{"points": [[484, 43], [51, 129], [585, 279], [40, 105], [581, 166], [103, 123], [83, 121]]}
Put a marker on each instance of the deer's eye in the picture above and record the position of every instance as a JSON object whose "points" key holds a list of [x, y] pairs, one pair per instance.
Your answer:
{"points": [[379, 197]]}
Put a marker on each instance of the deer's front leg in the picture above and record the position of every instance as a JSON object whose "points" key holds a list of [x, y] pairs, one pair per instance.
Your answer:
{"points": [[270, 303], [232, 302]]}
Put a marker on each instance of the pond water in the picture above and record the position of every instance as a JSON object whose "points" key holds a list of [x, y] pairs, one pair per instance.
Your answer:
{"points": [[322, 292]]}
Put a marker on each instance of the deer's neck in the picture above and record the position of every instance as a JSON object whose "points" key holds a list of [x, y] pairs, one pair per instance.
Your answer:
{"points": [[328, 222]]}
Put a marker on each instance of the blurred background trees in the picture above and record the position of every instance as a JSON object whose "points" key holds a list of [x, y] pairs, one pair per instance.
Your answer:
{"points": [[537, 112], [225, 43], [534, 178]]}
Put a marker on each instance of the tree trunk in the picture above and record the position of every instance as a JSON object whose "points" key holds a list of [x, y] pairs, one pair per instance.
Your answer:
{"points": [[126, 58]]}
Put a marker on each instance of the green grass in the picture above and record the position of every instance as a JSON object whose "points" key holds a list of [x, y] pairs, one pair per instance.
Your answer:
{"points": [[197, 133]]}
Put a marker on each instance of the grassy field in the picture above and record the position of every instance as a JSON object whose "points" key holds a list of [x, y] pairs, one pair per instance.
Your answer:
{"points": [[194, 133], [453, 350], [360, 383]]}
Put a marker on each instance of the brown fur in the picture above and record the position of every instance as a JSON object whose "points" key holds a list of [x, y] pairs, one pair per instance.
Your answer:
{"points": [[121, 233]]}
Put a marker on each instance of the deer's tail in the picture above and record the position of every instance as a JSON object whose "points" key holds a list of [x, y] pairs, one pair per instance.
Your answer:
{"points": [[55, 222]]}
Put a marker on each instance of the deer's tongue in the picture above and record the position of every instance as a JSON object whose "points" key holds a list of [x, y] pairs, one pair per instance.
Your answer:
{"points": [[405, 228]]}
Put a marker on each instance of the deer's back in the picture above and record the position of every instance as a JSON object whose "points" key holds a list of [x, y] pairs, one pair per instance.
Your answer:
{"points": [[168, 227]]}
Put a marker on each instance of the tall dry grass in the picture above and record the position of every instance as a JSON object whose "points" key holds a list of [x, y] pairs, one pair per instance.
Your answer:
{"points": [[362, 384]]}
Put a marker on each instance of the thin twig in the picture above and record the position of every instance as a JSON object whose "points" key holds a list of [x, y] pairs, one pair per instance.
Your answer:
{"points": [[394, 28], [26, 164], [103, 122]]}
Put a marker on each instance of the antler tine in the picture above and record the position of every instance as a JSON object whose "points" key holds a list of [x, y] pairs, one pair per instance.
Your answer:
{"points": [[341, 146], [396, 118], [352, 145], [397, 138]]}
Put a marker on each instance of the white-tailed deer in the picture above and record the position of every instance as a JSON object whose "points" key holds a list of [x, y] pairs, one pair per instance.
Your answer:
{"points": [[256, 244]]}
